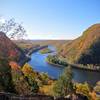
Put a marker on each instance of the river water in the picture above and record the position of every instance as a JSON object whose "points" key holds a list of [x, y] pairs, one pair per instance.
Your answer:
{"points": [[39, 64]]}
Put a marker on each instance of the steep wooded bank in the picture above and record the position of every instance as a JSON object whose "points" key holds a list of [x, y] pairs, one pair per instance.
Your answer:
{"points": [[9, 50], [85, 49], [11, 55]]}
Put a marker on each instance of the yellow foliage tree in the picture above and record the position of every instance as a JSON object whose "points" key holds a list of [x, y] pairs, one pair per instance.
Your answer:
{"points": [[28, 71], [83, 89]]}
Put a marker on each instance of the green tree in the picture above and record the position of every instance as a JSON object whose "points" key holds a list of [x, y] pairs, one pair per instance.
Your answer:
{"points": [[44, 78], [64, 84]]}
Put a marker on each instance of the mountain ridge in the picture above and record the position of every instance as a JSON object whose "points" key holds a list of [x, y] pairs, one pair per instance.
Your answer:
{"points": [[84, 49]]}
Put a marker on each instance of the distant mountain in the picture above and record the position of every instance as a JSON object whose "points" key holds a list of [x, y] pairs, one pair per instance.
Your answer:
{"points": [[56, 43], [9, 50], [85, 49]]}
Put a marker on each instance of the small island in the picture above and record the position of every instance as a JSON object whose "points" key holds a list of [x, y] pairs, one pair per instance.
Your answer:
{"points": [[45, 50]]}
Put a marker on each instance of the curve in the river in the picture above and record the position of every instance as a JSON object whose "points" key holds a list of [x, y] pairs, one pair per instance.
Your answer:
{"points": [[39, 64]]}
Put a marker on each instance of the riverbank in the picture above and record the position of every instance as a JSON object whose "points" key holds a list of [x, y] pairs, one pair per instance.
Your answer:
{"points": [[74, 66], [83, 68], [34, 49], [37, 48], [56, 65], [39, 64], [27, 56]]}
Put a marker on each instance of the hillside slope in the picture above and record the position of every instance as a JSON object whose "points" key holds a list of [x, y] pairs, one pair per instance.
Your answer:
{"points": [[8, 50], [11, 76], [85, 49]]}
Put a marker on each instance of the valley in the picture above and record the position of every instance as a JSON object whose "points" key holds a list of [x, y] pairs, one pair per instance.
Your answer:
{"points": [[49, 49], [30, 67]]}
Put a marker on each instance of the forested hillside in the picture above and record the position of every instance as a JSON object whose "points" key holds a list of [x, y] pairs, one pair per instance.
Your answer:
{"points": [[9, 50], [85, 49]]}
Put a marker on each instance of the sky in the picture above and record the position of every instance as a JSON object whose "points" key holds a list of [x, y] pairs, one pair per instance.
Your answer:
{"points": [[52, 19]]}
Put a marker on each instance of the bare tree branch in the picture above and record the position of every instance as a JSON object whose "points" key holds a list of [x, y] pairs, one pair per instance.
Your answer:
{"points": [[12, 29]]}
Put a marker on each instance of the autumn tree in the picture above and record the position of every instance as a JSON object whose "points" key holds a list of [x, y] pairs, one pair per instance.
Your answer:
{"points": [[20, 83], [64, 84], [5, 76], [97, 87], [83, 89], [31, 77], [44, 78]]}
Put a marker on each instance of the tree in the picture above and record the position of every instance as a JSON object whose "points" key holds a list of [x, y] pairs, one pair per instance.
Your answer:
{"points": [[31, 77], [64, 84], [12, 29], [34, 84], [20, 83], [5, 76], [97, 87], [83, 89], [44, 78]]}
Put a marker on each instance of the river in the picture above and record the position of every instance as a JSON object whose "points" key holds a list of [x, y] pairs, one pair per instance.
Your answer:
{"points": [[39, 64]]}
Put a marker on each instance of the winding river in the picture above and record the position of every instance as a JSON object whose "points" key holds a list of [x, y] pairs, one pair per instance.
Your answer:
{"points": [[39, 64]]}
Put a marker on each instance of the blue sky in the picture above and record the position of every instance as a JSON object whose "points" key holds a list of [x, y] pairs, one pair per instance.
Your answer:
{"points": [[52, 19]]}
